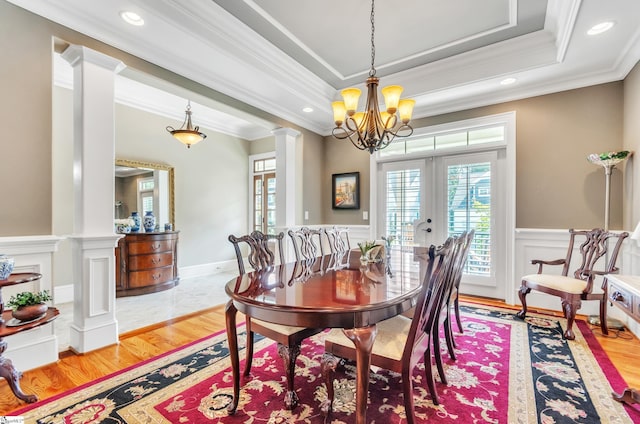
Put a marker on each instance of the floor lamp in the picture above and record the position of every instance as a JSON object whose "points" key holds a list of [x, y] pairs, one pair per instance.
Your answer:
{"points": [[608, 161]]}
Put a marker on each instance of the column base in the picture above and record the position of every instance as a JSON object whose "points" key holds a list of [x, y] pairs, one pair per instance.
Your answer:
{"points": [[88, 339]]}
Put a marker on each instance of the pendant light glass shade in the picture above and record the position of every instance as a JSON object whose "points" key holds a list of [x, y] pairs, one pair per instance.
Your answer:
{"points": [[187, 134]]}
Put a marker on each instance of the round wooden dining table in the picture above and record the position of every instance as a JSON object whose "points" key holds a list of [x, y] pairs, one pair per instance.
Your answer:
{"points": [[333, 291]]}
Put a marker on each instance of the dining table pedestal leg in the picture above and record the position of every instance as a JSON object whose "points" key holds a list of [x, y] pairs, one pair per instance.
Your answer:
{"points": [[230, 313], [362, 338]]}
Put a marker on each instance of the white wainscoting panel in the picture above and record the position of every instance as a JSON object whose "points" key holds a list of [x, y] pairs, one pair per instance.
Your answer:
{"points": [[39, 346]]}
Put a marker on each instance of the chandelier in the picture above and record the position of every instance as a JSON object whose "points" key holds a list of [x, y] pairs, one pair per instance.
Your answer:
{"points": [[187, 134], [372, 130]]}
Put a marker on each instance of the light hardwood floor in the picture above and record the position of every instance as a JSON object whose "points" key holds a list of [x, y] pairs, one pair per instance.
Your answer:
{"points": [[73, 370]]}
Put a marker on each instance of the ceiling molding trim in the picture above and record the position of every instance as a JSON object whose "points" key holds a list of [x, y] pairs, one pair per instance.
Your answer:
{"points": [[212, 22], [293, 38], [465, 102], [510, 56], [561, 20]]}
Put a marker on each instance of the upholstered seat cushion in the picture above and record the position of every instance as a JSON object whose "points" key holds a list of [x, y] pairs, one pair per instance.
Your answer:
{"points": [[390, 340], [557, 282], [286, 330]]}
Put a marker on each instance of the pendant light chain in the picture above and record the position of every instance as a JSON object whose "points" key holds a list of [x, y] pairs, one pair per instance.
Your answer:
{"points": [[372, 71]]}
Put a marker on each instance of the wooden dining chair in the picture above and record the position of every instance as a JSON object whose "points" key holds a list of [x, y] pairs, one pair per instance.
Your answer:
{"points": [[289, 338], [450, 277], [456, 287], [464, 243], [401, 342], [307, 243], [338, 238], [593, 248]]}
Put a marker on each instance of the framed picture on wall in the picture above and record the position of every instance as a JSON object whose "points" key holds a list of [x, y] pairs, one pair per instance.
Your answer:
{"points": [[346, 190]]}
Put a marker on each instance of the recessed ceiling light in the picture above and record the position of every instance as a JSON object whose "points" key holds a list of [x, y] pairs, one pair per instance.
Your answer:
{"points": [[600, 28], [132, 18], [307, 109], [508, 81]]}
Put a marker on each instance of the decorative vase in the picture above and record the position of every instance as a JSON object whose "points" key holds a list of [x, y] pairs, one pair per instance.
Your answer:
{"points": [[122, 228], [149, 222], [6, 266], [30, 312], [137, 222]]}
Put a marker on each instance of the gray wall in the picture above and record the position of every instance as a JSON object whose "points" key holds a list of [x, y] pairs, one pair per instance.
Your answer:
{"points": [[556, 186]]}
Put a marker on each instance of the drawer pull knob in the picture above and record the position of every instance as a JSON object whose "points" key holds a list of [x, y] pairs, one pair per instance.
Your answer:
{"points": [[616, 296], [156, 261], [156, 276], [155, 246]]}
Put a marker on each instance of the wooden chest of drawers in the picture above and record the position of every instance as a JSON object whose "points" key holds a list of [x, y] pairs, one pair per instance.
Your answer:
{"points": [[146, 263]]}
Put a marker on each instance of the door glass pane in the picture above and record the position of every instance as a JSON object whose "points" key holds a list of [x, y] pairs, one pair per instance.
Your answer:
{"points": [[270, 206], [403, 204], [264, 195], [469, 207]]}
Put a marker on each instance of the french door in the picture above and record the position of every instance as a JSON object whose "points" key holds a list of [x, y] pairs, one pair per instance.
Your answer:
{"points": [[424, 201]]}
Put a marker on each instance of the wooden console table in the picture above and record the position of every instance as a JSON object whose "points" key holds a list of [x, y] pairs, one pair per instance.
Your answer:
{"points": [[624, 292], [146, 263], [7, 370]]}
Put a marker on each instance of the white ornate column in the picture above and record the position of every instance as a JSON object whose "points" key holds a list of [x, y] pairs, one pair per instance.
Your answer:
{"points": [[94, 321], [288, 180]]}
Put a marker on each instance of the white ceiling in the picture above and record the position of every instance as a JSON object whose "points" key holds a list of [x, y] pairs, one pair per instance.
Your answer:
{"points": [[283, 55]]}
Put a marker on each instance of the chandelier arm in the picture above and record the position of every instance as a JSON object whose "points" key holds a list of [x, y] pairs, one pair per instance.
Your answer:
{"points": [[341, 136]]}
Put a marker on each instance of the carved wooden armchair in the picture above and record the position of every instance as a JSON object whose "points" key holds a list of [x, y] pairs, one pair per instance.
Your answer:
{"points": [[289, 338], [578, 287]]}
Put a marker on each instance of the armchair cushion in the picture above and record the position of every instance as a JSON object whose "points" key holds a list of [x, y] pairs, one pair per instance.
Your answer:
{"points": [[557, 282]]}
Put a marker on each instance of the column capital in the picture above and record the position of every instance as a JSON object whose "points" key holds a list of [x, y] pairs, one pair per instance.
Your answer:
{"points": [[286, 132], [75, 55]]}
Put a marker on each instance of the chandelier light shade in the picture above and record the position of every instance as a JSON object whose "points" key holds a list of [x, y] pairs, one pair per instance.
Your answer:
{"points": [[372, 129], [187, 134]]}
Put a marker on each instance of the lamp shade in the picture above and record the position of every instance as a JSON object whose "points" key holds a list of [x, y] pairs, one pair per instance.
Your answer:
{"points": [[350, 97], [188, 137], [391, 96], [339, 112], [405, 109]]}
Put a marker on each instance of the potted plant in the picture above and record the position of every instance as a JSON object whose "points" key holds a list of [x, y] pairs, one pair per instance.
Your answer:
{"points": [[369, 251], [27, 306]]}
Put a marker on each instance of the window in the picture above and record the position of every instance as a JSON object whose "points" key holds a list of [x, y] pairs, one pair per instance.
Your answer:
{"points": [[446, 140], [264, 194], [145, 194]]}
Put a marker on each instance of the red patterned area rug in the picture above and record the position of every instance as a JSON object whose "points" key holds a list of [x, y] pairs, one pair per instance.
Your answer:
{"points": [[507, 371]]}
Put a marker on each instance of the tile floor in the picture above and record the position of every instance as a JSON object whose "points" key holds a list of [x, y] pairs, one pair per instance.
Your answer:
{"points": [[192, 294]]}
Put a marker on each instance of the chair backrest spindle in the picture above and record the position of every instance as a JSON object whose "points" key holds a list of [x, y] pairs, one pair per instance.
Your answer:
{"points": [[260, 255]]}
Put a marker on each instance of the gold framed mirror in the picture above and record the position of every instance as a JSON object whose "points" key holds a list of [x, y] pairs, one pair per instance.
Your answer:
{"points": [[142, 186]]}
